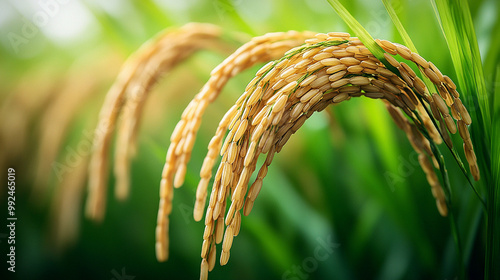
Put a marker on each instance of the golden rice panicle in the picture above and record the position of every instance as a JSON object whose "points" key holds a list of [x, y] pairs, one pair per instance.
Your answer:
{"points": [[422, 146], [327, 69], [259, 49], [98, 170], [263, 48], [137, 76], [269, 109], [445, 105], [169, 50]]}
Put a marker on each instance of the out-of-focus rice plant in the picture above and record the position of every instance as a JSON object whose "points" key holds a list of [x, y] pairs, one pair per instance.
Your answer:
{"points": [[348, 178]]}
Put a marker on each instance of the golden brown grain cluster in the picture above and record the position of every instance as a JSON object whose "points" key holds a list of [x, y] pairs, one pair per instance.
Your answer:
{"points": [[327, 69], [260, 49]]}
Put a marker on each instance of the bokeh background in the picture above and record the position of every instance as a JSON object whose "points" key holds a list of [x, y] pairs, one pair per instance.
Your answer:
{"points": [[350, 178]]}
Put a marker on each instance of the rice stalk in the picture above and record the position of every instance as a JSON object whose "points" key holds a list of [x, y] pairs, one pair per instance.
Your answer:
{"points": [[327, 69]]}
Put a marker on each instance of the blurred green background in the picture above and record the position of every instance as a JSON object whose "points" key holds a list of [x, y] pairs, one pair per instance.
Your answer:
{"points": [[350, 177]]}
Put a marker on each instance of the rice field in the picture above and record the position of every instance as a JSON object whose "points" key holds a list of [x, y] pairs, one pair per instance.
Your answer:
{"points": [[302, 139]]}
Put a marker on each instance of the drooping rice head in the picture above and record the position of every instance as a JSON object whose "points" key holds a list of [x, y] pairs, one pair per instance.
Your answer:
{"points": [[327, 69]]}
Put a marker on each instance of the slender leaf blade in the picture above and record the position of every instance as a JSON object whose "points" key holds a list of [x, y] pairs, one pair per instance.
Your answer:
{"points": [[360, 31]]}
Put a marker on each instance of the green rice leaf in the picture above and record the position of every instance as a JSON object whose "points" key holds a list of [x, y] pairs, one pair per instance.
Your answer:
{"points": [[227, 8], [399, 26], [406, 38], [493, 227], [491, 62], [361, 32]]}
